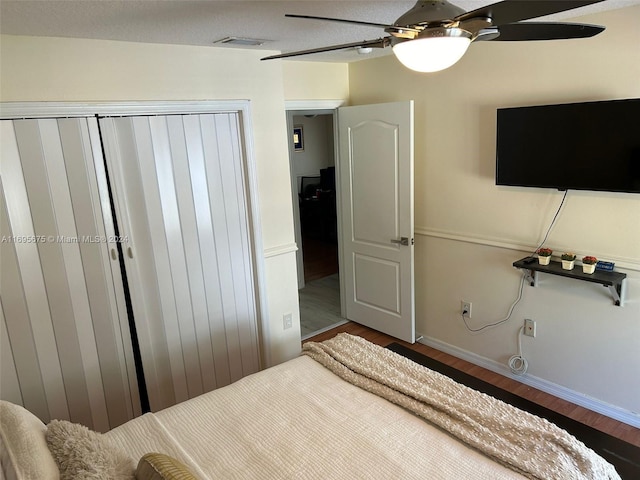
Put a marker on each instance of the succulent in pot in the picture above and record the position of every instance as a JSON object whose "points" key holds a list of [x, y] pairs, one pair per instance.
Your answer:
{"points": [[544, 255], [568, 260], [589, 264]]}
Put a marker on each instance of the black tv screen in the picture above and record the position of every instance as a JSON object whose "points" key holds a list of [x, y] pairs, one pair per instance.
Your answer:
{"points": [[574, 146]]}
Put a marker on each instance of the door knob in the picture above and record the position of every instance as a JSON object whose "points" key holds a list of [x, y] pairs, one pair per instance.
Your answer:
{"points": [[402, 241]]}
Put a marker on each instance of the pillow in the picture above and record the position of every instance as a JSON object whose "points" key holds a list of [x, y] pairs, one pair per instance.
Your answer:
{"points": [[158, 466], [23, 450], [82, 454]]}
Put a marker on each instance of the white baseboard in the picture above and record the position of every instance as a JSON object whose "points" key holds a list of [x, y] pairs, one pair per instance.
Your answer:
{"points": [[611, 411]]}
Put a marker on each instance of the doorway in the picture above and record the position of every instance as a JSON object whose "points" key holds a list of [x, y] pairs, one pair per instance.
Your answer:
{"points": [[313, 180], [373, 154]]}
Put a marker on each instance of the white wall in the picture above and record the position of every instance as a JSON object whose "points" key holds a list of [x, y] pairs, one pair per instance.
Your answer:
{"points": [[469, 231], [76, 70]]}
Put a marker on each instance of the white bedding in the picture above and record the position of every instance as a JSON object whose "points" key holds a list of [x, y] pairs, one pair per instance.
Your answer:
{"points": [[299, 420]]}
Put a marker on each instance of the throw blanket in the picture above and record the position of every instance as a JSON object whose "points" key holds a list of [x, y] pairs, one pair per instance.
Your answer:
{"points": [[519, 440]]}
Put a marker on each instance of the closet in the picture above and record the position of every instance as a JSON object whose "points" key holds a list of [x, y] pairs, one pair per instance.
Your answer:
{"points": [[128, 267]]}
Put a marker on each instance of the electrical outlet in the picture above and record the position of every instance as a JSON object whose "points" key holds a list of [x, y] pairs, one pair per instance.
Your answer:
{"points": [[529, 327], [466, 309], [287, 321]]}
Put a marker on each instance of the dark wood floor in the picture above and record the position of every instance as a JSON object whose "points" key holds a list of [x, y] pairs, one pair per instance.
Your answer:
{"points": [[320, 258], [580, 414]]}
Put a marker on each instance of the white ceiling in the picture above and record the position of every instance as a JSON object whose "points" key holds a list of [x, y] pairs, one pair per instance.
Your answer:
{"points": [[189, 22]]}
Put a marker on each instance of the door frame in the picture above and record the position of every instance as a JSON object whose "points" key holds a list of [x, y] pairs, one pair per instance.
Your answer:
{"points": [[14, 110], [329, 107]]}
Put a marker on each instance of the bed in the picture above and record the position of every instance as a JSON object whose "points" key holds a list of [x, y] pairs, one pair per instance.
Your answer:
{"points": [[345, 409]]}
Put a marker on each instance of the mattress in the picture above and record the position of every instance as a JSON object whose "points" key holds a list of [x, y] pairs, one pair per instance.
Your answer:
{"points": [[300, 420]]}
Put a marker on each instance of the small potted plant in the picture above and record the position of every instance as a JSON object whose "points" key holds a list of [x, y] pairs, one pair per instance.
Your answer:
{"points": [[589, 264], [544, 255], [568, 260]]}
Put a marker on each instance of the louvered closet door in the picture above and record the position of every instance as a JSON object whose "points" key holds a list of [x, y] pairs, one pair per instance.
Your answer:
{"points": [[180, 193], [65, 353]]}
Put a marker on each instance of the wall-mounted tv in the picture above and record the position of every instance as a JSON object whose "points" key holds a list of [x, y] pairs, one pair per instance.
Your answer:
{"points": [[573, 146]]}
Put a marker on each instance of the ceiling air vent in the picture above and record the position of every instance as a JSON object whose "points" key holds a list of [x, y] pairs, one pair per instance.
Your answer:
{"points": [[240, 41]]}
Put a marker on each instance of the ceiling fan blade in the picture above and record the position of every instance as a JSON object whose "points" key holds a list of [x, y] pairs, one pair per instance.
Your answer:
{"points": [[510, 11], [378, 43], [354, 22], [513, 32], [388, 28]]}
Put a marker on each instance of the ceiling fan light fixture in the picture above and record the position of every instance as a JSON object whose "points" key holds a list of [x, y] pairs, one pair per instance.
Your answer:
{"points": [[435, 49]]}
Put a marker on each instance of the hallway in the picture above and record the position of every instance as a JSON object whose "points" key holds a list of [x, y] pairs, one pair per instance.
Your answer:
{"points": [[320, 298]]}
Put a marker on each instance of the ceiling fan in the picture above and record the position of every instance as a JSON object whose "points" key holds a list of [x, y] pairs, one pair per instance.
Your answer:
{"points": [[435, 34]]}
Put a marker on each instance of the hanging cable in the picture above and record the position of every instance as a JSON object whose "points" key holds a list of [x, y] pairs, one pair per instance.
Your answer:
{"points": [[555, 217], [513, 305], [518, 364]]}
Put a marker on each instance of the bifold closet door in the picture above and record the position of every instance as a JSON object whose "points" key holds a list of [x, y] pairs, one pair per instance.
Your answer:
{"points": [[180, 198], [66, 354]]}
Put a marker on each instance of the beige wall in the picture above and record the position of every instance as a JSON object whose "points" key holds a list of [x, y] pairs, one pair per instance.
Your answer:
{"points": [[469, 231], [315, 80], [73, 70]]}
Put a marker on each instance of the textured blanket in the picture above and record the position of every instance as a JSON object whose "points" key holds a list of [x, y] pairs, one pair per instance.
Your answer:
{"points": [[519, 440]]}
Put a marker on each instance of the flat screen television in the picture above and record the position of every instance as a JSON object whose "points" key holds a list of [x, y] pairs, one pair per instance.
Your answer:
{"points": [[573, 146]]}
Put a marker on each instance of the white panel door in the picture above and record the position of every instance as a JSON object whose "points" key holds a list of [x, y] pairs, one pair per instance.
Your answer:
{"points": [[181, 201], [376, 183], [66, 347]]}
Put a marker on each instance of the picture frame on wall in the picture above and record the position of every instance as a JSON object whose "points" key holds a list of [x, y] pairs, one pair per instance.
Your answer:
{"points": [[298, 139]]}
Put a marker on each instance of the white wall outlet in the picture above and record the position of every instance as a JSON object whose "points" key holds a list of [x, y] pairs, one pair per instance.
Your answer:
{"points": [[287, 321], [465, 308], [529, 327]]}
